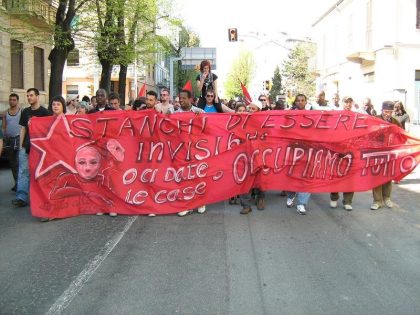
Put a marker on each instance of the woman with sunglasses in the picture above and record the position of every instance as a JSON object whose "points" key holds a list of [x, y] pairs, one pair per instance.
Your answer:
{"points": [[206, 81], [211, 105]]}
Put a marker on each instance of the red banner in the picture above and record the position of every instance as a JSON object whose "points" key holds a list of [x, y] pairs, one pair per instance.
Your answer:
{"points": [[133, 162]]}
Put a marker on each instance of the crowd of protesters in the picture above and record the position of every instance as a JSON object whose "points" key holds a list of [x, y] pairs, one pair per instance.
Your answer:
{"points": [[14, 135]]}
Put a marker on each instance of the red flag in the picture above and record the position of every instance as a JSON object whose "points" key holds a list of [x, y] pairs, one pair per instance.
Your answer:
{"points": [[142, 92], [248, 99], [188, 86]]}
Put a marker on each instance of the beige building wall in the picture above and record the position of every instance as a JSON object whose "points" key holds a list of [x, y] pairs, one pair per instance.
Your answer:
{"points": [[86, 76], [6, 66], [370, 48]]}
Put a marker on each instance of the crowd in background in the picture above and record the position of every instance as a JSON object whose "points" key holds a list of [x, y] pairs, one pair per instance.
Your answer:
{"points": [[14, 134]]}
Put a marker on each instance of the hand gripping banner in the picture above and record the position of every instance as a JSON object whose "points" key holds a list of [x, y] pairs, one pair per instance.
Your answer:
{"points": [[133, 162]]}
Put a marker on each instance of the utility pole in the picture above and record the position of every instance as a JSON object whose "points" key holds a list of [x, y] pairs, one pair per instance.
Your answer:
{"points": [[171, 75]]}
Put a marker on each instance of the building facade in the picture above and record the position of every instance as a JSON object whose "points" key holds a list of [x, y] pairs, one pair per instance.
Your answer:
{"points": [[24, 48], [370, 48], [83, 71], [82, 74]]}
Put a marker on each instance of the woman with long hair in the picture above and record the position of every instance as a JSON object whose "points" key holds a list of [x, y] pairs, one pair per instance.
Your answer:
{"points": [[206, 81], [400, 114]]}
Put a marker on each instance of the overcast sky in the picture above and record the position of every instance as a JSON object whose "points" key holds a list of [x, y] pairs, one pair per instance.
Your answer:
{"points": [[212, 19]]}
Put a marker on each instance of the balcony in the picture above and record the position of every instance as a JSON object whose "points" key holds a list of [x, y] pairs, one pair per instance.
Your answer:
{"points": [[361, 57], [38, 13]]}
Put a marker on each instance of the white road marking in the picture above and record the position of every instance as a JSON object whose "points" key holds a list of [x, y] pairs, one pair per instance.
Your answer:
{"points": [[68, 295]]}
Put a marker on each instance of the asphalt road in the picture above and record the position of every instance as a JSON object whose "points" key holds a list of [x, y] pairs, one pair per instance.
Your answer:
{"points": [[268, 262]]}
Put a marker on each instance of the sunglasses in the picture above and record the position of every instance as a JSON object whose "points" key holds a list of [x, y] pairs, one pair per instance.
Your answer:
{"points": [[208, 95], [263, 100]]}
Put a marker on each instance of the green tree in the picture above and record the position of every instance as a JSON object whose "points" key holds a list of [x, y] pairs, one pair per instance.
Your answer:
{"points": [[63, 42], [186, 38], [131, 42], [242, 70], [276, 89], [300, 76], [126, 31]]}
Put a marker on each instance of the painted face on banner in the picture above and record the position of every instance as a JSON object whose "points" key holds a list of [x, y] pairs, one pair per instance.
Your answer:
{"points": [[88, 162], [116, 149]]}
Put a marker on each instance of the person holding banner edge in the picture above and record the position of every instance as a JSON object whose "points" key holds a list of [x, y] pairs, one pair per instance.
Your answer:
{"points": [[382, 193], [35, 109], [302, 197], [186, 106], [347, 196]]}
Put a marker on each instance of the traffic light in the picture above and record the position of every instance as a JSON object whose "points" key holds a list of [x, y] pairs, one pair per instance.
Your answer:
{"points": [[233, 34], [267, 85]]}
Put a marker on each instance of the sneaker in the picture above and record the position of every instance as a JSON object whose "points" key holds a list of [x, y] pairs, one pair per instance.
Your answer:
{"points": [[333, 203], [113, 214], [388, 203], [151, 215], [289, 202], [183, 213], [246, 210], [348, 207], [99, 213], [18, 203], [260, 203], [301, 209], [46, 219], [201, 209], [374, 206]]}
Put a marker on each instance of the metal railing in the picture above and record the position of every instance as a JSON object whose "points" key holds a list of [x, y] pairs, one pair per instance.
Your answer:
{"points": [[34, 8]]}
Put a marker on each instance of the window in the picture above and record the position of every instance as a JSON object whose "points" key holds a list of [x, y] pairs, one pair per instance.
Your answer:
{"points": [[72, 89], [418, 13], [369, 77], [73, 58], [39, 81], [16, 53]]}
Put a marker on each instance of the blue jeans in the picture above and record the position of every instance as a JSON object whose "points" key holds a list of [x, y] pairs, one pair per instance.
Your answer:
{"points": [[302, 197], [22, 190]]}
